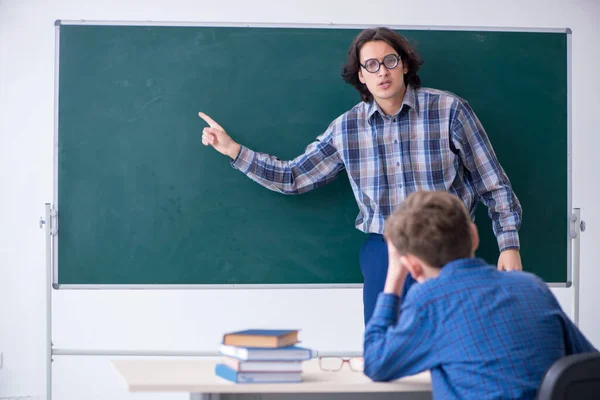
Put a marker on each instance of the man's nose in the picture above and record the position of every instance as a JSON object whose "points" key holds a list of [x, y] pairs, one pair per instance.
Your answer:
{"points": [[383, 71]]}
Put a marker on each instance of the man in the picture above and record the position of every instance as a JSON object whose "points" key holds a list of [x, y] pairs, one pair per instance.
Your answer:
{"points": [[483, 334], [399, 139]]}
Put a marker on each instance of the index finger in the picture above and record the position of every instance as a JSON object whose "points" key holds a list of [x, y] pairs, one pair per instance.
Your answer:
{"points": [[211, 122]]}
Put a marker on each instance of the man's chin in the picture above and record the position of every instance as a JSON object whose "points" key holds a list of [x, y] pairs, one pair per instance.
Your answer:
{"points": [[387, 94]]}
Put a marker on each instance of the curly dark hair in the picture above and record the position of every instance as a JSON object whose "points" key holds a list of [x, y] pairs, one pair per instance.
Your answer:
{"points": [[409, 55]]}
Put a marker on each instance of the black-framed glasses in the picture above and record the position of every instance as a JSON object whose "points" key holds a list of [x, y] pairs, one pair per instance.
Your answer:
{"points": [[334, 364], [390, 61]]}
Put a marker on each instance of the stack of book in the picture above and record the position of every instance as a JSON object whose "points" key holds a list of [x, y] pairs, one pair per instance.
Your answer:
{"points": [[262, 356]]}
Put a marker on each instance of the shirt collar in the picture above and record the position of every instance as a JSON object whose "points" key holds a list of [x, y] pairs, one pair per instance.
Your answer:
{"points": [[462, 264], [410, 100]]}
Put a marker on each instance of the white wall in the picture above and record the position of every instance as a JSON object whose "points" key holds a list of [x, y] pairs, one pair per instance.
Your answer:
{"points": [[190, 320]]}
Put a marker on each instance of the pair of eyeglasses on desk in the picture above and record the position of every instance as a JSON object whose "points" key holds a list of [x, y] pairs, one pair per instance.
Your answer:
{"points": [[334, 364]]}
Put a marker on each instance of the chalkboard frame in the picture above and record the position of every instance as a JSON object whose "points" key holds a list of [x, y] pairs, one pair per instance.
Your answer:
{"points": [[55, 254]]}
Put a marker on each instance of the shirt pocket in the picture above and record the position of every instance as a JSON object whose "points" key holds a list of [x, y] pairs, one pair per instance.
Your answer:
{"points": [[433, 162]]}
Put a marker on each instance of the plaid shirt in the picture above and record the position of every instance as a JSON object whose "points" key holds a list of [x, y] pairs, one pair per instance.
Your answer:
{"points": [[483, 333], [435, 142]]}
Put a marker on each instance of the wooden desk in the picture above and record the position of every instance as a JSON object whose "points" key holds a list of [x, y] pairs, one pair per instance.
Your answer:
{"points": [[197, 377]]}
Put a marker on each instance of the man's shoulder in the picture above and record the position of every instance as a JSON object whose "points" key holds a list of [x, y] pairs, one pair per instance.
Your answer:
{"points": [[356, 114], [338, 125], [431, 92], [360, 110], [436, 97]]}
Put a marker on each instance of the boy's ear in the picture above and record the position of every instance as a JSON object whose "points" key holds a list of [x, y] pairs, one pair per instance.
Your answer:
{"points": [[474, 237], [413, 265]]}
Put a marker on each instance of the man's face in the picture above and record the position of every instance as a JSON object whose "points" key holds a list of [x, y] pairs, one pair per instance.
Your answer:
{"points": [[385, 84]]}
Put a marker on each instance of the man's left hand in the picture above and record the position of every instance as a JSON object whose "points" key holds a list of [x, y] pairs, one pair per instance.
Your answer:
{"points": [[510, 260]]}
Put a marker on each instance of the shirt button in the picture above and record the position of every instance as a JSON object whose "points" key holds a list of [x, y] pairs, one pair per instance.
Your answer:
{"points": [[395, 141], [397, 164], [399, 185], [394, 120]]}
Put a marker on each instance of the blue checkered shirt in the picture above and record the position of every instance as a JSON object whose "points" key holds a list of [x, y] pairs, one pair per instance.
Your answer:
{"points": [[483, 333], [434, 142]]}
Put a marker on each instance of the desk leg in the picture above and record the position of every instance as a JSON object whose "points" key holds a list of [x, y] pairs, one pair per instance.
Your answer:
{"points": [[204, 396]]}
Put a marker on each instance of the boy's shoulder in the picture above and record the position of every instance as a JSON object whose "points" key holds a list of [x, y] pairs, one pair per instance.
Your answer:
{"points": [[524, 277], [432, 289]]}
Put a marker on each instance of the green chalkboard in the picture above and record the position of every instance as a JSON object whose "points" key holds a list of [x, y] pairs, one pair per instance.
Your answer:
{"points": [[141, 201]]}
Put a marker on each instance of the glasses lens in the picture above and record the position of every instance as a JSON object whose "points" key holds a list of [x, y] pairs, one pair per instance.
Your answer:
{"points": [[357, 364], [372, 65], [330, 363], [390, 61]]}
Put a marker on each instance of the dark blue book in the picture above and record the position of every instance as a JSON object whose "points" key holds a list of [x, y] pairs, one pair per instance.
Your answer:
{"points": [[225, 372], [289, 353]]}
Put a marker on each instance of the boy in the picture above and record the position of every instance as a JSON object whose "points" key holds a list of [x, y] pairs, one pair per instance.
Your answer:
{"points": [[482, 333]]}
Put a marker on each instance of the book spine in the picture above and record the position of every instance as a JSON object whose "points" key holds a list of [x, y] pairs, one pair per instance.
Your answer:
{"points": [[226, 373]]}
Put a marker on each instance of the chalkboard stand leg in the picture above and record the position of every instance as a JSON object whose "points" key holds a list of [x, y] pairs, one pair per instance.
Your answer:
{"points": [[50, 224], [576, 227]]}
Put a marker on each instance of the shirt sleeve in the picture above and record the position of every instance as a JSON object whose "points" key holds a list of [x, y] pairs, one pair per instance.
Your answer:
{"points": [[575, 342], [318, 165], [487, 176], [396, 343]]}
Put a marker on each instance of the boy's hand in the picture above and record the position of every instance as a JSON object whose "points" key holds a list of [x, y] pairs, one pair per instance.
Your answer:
{"points": [[396, 273]]}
